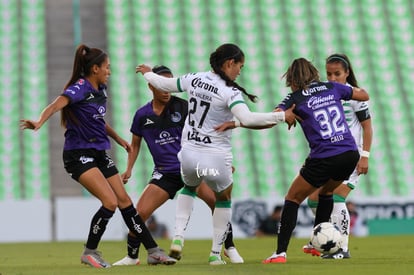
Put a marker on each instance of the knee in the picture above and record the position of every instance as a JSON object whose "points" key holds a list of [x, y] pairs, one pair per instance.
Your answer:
{"points": [[143, 213], [110, 204], [124, 202]]}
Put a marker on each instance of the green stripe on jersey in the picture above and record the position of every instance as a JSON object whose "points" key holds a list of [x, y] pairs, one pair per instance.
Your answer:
{"points": [[235, 103], [179, 86]]}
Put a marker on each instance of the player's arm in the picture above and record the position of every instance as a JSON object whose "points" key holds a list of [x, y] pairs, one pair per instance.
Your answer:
{"points": [[246, 118], [367, 133], [359, 94], [111, 133], [132, 157], [162, 83], [58, 104]]}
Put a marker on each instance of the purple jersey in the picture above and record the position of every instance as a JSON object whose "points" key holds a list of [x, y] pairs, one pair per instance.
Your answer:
{"points": [[85, 128], [162, 133], [324, 123]]}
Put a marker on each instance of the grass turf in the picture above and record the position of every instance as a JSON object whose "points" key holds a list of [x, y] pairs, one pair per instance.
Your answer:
{"points": [[371, 255]]}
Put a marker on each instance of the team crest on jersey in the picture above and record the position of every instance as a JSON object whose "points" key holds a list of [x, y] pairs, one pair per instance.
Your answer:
{"points": [[164, 135], [176, 117], [81, 81]]}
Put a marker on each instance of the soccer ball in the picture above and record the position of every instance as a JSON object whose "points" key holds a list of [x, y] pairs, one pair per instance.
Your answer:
{"points": [[326, 238]]}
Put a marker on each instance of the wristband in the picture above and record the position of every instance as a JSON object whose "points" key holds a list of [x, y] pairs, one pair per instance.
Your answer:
{"points": [[236, 122], [280, 116], [365, 154]]}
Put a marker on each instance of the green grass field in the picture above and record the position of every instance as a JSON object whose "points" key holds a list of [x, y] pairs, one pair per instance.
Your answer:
{"points": [[371, 255]]}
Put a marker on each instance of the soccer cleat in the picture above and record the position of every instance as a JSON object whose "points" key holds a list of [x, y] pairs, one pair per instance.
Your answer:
{"points": [[339, 255], [176, 247], [233, 255], [94, 258], [276, 258], [127, 261], [215, 260], [309, 249], [159, 257]]}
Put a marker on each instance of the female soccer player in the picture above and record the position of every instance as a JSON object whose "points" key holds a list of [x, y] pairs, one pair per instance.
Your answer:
{"points": [[83, 107], [205, 155], [357, 115], [333, 152], [160, 123]]}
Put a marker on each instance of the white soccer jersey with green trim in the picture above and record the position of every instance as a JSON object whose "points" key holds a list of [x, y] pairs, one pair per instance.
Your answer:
{"points": [[351, 108], [210, 101]]}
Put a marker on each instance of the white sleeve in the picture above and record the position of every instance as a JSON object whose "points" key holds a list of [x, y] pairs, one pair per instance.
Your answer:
{"points": [[248, 118], [166, 84]]}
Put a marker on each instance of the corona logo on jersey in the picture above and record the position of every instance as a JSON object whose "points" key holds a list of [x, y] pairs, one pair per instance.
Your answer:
{"points": [[200, 84]]}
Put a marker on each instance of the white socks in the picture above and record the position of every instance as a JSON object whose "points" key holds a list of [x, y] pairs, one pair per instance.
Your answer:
{"points": [[340, 217], [221, 220], [183, 210]]}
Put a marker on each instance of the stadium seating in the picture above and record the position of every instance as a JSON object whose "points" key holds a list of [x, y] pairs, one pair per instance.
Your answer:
{"points": [[9, 105], [376, 37], [35, 97], [24, 156]]}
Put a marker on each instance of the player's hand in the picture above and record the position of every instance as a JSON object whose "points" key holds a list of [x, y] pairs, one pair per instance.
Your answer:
{"points": [[228, 125], [362, 166], [124, 144], [126, 176], [143, 69], [29, 124]]}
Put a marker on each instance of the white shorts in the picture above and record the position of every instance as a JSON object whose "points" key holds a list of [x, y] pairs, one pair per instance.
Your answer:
{"points": [[212, 167], [352, 182]]}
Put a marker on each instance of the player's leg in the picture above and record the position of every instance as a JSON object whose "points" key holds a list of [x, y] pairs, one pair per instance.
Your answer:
{"points": [[160, 188], [342, 168], [189, 161], [299, 190], [92, 179], [138, 227], [151, 199], [96, 184], [205, 193], [340, 217], [184, 207], [221, 220], [313, 204]]}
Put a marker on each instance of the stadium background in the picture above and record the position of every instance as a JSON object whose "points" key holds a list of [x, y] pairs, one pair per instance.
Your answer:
{"points": [[38, 39]]}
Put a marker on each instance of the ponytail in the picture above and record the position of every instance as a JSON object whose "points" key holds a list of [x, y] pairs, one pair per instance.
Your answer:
{"points": [[219, 56]]}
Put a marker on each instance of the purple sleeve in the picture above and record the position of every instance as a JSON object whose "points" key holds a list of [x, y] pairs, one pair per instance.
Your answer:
{"points": [[286, 102], [345, 91], [75, 93], [135, 129]]}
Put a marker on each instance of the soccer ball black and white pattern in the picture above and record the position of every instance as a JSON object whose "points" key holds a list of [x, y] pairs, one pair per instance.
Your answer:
{"points": [[326, 238]]}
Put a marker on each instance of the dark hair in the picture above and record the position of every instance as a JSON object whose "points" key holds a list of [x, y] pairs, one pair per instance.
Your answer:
{"points": [[300, 74], [161, 69], [169, 108], [222, 54], [84, 60], [346, 64]]}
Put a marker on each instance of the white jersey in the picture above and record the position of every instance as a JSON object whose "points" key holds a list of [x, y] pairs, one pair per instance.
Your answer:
{"points": [[210, 102], [351, 108]]}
